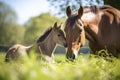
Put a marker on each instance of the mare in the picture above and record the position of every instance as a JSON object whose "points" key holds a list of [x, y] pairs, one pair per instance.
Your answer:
{"points": [[45, 45], [101, 25]]}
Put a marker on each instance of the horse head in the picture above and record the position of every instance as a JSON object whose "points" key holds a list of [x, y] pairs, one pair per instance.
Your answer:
{"points": [[74, 30]]}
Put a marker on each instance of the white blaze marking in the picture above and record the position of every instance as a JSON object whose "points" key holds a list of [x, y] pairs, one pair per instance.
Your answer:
{"points": [[75, 53]]}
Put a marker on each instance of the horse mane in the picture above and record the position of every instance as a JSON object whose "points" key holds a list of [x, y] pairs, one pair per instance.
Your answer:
{"points": [[111, 10], [95, 9], [44, 35], [105, 7]]}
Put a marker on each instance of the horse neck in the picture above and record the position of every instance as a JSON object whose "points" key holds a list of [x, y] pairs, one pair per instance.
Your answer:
{"points": [[91, 22], [90, 18], [48, 45]]}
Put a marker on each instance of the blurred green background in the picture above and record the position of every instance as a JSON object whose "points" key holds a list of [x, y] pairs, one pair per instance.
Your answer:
{"points": [[86, 67]]}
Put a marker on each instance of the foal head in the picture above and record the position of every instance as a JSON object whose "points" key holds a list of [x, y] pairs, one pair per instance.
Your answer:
{"points": [[75, 36], [56, 34]]}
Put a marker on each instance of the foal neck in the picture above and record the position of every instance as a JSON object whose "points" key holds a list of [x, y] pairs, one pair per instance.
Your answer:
{"points": [[48, 45], [34, 47]]}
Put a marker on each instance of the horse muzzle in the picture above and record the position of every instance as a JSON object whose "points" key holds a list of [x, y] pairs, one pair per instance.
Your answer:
{"points": [[72, 56], [65, 44]]}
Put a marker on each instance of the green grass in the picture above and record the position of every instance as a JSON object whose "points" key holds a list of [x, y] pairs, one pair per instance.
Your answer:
{"points": [[84, 68]]}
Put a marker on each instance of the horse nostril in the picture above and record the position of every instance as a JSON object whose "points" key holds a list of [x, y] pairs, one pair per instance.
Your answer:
{"points": [[80, 30], [65, 44], [74, 56]]}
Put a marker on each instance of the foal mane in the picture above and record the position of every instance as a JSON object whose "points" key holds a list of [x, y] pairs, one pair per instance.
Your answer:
{"points": [[44, 35]]}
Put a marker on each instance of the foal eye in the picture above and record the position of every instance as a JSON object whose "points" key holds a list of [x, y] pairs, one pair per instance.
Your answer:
{"points": [[81, 24], [58, 35]]}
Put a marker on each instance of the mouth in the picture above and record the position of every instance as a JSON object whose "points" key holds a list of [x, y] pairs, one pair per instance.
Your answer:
{"points": [[71, 55]]}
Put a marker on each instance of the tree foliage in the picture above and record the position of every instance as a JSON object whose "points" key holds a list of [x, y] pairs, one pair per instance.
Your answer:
{"points": [[11, 34], [114, 3], [7, 15], [61, 5], [10, 31]]}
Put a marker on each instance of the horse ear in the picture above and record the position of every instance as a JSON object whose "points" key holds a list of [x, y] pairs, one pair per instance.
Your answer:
{"points": [[55, 25], [80, 11], [60, 26], [68, 11]]}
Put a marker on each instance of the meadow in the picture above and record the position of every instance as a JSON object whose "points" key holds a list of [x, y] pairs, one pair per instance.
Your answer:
{"points": [[84, 68]]}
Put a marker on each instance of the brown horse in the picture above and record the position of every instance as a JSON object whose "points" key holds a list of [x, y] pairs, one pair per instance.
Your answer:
{"points": [[45, 45], [102, 27], [75, 35]]}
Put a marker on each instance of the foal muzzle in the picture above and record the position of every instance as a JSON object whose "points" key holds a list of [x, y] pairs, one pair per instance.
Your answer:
{"points": [[65, 44]]}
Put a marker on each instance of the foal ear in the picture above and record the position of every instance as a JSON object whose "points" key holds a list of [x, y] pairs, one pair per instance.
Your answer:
{"points": [[68, 11], [55, 25], [59, 26], [80, 11]]}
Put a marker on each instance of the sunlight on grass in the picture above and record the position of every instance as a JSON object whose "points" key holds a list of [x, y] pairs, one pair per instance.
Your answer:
{"points": [[84, 68]]}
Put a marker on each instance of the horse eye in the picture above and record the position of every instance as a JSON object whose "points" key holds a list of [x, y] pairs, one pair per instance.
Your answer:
{"points": [[81, 24], [58, 35], [80, 30]]}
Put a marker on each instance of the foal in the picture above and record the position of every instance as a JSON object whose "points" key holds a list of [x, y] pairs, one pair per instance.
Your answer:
{"points": [[44, 45]]}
